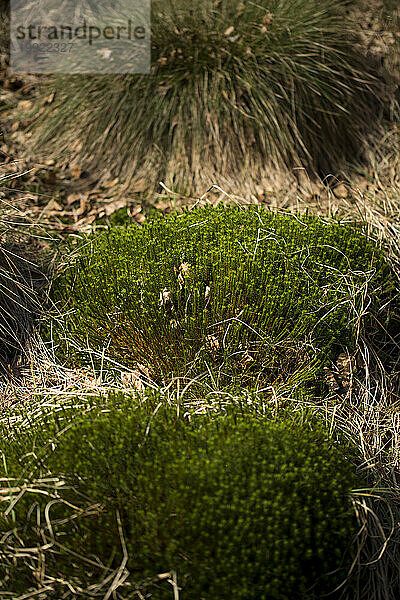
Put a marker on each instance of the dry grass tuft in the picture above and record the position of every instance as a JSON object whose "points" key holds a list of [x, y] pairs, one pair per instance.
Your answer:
{"points": [[20, 280], [238, 92]]}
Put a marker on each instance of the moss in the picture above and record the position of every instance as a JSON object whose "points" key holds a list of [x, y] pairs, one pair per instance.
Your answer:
{"points": [[245, 293], [237, 505]]}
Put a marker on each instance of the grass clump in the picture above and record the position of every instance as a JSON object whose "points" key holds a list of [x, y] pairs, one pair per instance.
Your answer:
{"points": [[236, 505], [20, 281], [246, 293], [236, 89], [19, 304], [4, 25]]}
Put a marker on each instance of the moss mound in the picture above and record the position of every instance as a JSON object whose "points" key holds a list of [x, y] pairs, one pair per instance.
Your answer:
{"points": [[235, 90], [238, 506], [244, 292]]}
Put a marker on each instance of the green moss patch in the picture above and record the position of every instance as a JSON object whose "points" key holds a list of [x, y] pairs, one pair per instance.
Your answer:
{"points": [[238, 506], [246, 293]]}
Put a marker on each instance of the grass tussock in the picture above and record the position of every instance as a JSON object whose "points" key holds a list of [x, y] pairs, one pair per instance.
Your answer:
{"points": [[236, 91], [20, 280], [4, 27]]}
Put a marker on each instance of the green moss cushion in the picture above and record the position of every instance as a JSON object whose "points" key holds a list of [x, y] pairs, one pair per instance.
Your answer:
{"points": [[237, 506], [242, 292]]}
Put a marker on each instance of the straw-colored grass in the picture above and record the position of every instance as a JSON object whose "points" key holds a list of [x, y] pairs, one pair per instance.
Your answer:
{"points": [[237, 91], [20, 279]]}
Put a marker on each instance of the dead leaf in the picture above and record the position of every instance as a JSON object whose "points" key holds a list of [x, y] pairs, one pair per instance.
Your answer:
{"points": [[112, 207], [112, 183], [341, 191], [229, 31], [134, 210], [49, 99], [84, 223], [260, 193], [140, 185], [72, 198], [24, 105], [140, 218], [53, 206], [76, 171], [211, 342], [137, 378], [83, 206]]}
